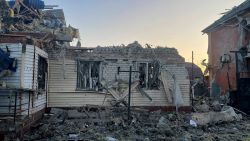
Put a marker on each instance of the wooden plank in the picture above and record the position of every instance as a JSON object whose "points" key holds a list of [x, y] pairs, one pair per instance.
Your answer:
{"points": [[133, 86], [164, 76], [110, 90]]}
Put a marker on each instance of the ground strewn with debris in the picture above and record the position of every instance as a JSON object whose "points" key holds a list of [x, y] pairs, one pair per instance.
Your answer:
{"points": [[111, 124]]}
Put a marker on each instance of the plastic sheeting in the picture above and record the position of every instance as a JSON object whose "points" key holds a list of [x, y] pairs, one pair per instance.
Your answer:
{"points": [[7, 63], [36, 4]]}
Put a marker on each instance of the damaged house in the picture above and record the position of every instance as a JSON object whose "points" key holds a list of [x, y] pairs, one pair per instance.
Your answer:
{"points": [[23, 77], [228, 53], [81, 76], [26, 30], [39, 69]]}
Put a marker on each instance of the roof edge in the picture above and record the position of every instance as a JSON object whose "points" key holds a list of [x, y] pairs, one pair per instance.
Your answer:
{"points": [[231, 14]]}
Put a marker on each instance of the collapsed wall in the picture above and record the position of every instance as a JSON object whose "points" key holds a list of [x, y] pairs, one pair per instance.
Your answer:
{"points": [[25, 32], [133, 51], [81, 76]]}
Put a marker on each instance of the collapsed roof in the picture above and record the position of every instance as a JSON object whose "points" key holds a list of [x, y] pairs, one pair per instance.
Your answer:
{"points": [[133, 51], [17, 18]]}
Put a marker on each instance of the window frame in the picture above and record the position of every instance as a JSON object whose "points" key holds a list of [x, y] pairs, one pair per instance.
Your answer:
{"points": [[44, 71], [78, 61]]}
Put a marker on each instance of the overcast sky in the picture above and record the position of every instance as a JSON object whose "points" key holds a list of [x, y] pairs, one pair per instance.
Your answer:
{"points": [[172, 23]]}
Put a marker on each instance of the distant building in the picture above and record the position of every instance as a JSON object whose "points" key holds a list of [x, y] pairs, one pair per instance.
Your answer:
{"points": [[197, 72]]}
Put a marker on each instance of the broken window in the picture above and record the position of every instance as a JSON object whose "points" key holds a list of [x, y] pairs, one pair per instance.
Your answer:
{"points": [[88, 75], [248, 63], [143, 75], [153, 73], [42, 73], [148, 75]]}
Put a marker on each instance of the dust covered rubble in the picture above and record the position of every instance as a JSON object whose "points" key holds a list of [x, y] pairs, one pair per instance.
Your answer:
{"points": [[212, 111], [111, 124]]}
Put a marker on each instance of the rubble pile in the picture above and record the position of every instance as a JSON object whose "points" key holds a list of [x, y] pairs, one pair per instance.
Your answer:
{"points": [[33, 19], [213, 110], [95, 123]]}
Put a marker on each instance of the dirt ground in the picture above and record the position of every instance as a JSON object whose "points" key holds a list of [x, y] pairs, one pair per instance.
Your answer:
{"points": [[111, 124]]}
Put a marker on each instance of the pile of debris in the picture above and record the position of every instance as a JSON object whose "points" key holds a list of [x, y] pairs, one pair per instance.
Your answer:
{"points": [[111, 124], [30, 17], [209, 110]]}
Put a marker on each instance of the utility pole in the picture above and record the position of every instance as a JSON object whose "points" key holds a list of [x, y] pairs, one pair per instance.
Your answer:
{"points": [[129, 87], [192, 77]]}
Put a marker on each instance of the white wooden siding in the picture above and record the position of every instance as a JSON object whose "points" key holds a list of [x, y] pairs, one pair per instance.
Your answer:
{"points": [[57, 82], [16, 52], [62, 91], [76, 99], [28, 67], [38, 101], [182, 79]]}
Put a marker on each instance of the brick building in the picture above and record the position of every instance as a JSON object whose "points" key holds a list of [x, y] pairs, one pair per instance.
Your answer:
{"points": [[228, 53]]}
